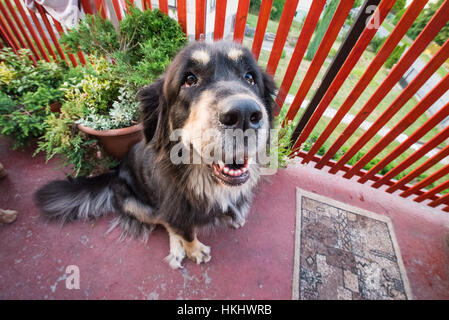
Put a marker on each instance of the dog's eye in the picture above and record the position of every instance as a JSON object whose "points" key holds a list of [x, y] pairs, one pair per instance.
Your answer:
{"points": [[249, 77], [190, 80]]}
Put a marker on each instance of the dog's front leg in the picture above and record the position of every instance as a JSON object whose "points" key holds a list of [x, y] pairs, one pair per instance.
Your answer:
{"points": [[177, 252], [186, 244], [196, 251], [236, 217]]}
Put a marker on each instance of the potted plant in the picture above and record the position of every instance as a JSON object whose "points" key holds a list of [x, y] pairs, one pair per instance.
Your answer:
{"points": [[118, 130]]}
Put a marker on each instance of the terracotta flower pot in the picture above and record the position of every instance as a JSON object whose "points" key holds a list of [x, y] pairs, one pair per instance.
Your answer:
{"points": [[116, 142]]}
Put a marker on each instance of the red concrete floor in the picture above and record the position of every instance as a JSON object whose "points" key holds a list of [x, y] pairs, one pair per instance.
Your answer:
{"points": [[255, 262]]}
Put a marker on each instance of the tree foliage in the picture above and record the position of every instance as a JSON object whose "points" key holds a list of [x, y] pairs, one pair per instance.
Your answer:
{"points": [[321, 28], [422, 21]]}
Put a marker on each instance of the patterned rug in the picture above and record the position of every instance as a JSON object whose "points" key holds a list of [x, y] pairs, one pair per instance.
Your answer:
{"points": [[343, 252]]}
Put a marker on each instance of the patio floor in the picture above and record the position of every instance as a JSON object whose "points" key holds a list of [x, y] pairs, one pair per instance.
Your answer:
{"points": [[254, 262]]}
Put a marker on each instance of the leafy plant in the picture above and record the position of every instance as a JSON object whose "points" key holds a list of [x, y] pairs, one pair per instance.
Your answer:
{"points": [[284, 142], [27, 91], [141, 49], [424, 18], [395, 56], [124, 113], [376, 43], [91, 89]]}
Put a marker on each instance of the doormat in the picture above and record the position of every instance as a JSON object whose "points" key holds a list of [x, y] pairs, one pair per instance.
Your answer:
{"points": [[345, 253]]}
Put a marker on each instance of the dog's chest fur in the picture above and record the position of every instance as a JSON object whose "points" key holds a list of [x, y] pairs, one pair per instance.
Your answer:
{"points": [[184, 195]]}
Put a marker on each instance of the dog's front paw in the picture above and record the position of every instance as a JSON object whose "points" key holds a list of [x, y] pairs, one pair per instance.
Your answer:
{"points": [[174, 261], [199, 253]]}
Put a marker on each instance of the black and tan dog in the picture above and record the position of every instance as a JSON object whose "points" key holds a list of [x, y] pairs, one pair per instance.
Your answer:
{"points": [[217, 87]]}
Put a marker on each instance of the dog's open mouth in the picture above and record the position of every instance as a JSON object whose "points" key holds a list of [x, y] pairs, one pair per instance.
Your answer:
{"points": [[232, 174]]}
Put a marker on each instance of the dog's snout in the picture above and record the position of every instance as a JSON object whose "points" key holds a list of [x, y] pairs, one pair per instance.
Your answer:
{"points": [[244, 114]]}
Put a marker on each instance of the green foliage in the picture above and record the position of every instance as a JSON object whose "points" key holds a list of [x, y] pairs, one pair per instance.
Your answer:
{"points": [[88, 90], [141, 49], [422, 21], [26, 93], [395, 56], [376, 43], [94, 35], [321, 28], [284, 142], [398, 16], [399, 5], [357, 3], [124, 113], [276, 9], [254, 6]]}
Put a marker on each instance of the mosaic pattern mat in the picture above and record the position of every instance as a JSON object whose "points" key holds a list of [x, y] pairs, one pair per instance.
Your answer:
{"points": [[345, 253]]}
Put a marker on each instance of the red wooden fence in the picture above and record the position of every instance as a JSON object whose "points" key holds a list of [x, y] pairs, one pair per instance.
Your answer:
{"points": [[23, 28]]}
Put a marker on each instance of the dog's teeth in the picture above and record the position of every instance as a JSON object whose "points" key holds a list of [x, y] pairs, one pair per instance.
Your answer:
{"points": [[238, 172], [231, 172], [226, 170], [244, 169]]}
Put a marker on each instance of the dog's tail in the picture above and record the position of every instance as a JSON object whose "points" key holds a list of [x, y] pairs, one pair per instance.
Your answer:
{"points": [[79, 198]]}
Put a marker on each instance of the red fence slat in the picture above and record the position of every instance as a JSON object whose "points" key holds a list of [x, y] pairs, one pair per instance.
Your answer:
{"points": [[301, 46], [100, 6], [60, 31], [220, 17], [163, 6], [434, 142], [14, 33], [413, 87], [432, 192], [147, 4], [42, 34], [7, 34], [356, 52], [425, 182], [419, 170], [30, 28], [418, 46], [87, 7], [51, 32], [22, 30], [288, 13], [200, 19], [117, 9], [399, 31], [262, 23], [323, 50], [240, 20], [182, 15]]}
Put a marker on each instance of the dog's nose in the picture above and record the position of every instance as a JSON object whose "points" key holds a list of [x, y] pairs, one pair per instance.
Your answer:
{"points": [[244, 114]]}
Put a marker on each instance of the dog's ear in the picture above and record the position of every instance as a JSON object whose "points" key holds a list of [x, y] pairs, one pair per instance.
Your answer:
{"points": [[151, 98], [268, 94]]}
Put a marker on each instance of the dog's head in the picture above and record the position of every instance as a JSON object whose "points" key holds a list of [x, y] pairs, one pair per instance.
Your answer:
{"points": [[212, 108]]}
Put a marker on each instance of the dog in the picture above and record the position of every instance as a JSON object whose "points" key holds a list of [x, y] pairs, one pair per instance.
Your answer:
{"points": [[217, 87]]}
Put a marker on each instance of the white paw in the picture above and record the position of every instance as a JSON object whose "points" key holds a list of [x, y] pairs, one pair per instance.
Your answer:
{"points": [[174, 261], [200, 253]]}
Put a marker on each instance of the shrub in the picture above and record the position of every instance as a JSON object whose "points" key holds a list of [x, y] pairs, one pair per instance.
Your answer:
{"points": [[141, 49], [376, 43], [395, 56], [27, 92], [94, 93]]}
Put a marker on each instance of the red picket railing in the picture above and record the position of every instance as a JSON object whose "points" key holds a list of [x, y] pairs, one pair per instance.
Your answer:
{"points": [[23, 28]]}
